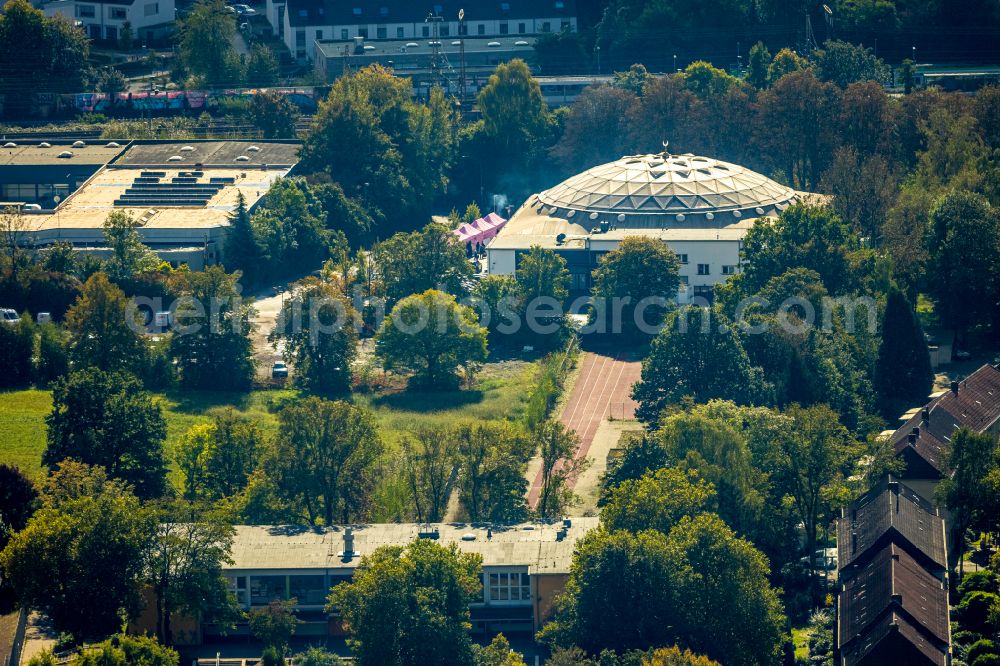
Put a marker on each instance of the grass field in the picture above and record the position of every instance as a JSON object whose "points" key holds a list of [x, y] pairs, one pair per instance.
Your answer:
{"points": [[500, 393]]}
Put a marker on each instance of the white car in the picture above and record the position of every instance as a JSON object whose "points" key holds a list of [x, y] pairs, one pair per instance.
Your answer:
{"points": [[9, 316], [245, 10]]}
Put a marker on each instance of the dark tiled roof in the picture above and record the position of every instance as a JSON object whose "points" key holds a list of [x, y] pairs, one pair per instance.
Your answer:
{"points": [[893, 512], [342, 12], [893, 626], [976, 406], [893, 581]]}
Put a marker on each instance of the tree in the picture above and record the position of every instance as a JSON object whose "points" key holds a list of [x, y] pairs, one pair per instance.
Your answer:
{"points": [[13, 229], [272, 113], [498, 653], [965, 489], [111, 82], [262, 69], [274, 625], [410, 606], [243, 251], [810, 462], [323, 458], [673, 656], [598, 128], [717, 452], [656, 501], [844, 63], [206, 43], [103, 328], [515, 117], [412, 263], [864, 190], [542, 281], [213, 325], [184, 565], [803, 236], [126, 39], [123, 650], [634, 80], [319, 329], [645, 272], [785, 61], [53, 50], [964, 242], [17, 341], [560, 466], [53, 563], [492, 459], [698, 354], [794, 124], [706, 81], [107, 419], [903, 375], [17, 501], [699, 586], [428, 461], [500, 295], [218, 459], [431, 335], [758, 64], [129, 256]]}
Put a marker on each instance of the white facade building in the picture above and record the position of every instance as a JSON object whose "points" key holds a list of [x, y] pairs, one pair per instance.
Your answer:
{"points": [[104, 19], [300, 23], [700, 207]]}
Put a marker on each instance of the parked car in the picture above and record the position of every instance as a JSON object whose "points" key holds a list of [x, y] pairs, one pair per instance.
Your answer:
{"points": [[9, 316], [962, 355], [825, 559], [279, 371], [43, 317], [245, 10]]}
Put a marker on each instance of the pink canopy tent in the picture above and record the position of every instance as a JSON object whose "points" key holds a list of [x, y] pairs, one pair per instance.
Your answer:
{"points": [[481, 230]]}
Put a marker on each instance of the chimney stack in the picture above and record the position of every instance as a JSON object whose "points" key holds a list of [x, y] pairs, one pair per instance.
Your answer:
{"points": [[912, 439], [954, 388], [925, 416]]}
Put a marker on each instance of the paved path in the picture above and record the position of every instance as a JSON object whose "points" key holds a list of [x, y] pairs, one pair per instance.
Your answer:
{"points": [[602, 390]]}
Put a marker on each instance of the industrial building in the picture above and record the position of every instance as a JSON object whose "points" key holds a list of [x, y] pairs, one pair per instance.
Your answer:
{"points": [[699, 206], [182, 193]]}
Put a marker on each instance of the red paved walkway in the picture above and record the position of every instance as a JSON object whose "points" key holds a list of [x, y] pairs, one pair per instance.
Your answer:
{"points": [[603, 389]]}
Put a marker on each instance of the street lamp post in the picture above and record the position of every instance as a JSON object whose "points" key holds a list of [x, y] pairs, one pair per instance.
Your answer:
{"points": [[597, 50], [675, 63]]}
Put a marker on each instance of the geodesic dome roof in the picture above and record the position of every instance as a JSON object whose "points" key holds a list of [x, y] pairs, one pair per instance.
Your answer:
{"points": [[665, 184]]}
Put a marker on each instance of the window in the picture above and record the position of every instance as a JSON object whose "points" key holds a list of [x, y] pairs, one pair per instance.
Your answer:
{"points": [[380, 32], [399, 32], [111, 32], [383, 11], [344, 34], [363, 32], [445, 30], [308, 590], [521, 28], [319, 34], [265, 589], [357, 11], [152, 9], [729, 270], [85, 11], [303, 13], [503, 28], [425, 30], [703, 269], [560, 4], [505, 6], [119, 13], [684, 282], [95, 31], [481, 29], [508, 587], [683, 258], [238, 586], [300, 39], [564, 25], [546, 27]]}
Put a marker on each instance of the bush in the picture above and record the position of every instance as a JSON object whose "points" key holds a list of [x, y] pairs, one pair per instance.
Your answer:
{"points": [[983, 580], [316, 656], [974, 612], [16, 347], [541, 400]]}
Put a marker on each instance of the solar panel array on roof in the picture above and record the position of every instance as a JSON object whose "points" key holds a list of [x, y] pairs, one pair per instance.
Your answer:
{"points": [[186, 190]]}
